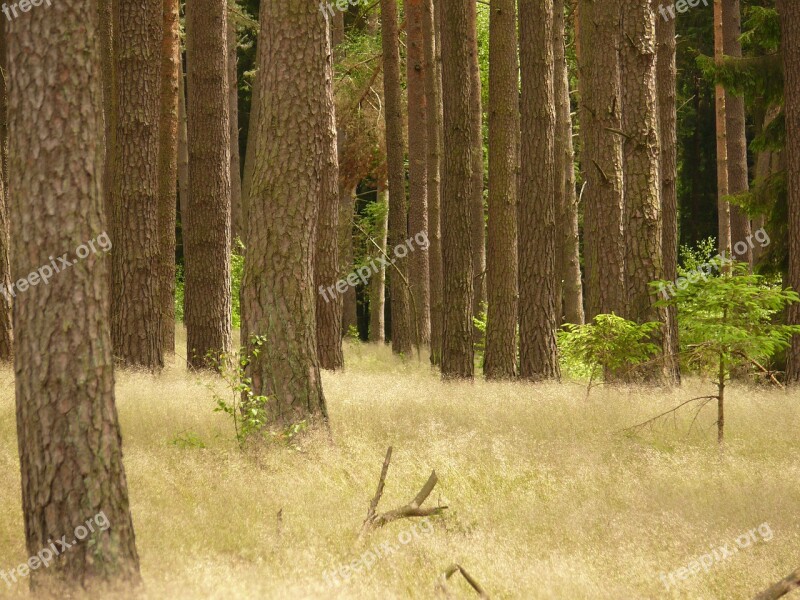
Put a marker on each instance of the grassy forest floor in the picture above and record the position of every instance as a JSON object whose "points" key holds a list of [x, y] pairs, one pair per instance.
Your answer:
{"points": [[546, 498]]}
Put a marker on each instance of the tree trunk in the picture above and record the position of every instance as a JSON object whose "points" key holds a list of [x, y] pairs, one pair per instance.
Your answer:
{"points": [[291, 132], [183, 145], [458, 197], [723, 207], [433, 90], [347, 208], [790, 50], [568, 246], [537, 235], [105, 29], [601, 157], [6, 333], [416, 73], [233, 112], [250, 153], [377, 283], [207, 222], [738, 182], [504, 128], [402, 332], [168, 168], [68, 434], [136, 311]]}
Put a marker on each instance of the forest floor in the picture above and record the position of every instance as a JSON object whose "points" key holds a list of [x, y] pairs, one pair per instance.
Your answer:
{"points": [[547, 499]]}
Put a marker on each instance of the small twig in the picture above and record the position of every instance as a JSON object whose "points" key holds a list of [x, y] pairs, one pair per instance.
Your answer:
{"points": [[441, 584], [664, 414], [279, 522]]}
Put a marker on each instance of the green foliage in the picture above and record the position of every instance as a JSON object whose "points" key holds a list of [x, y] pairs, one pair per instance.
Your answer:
{"points": [[479, 323], [187, 439], [692, 258], [179, 286], [237, 270]]}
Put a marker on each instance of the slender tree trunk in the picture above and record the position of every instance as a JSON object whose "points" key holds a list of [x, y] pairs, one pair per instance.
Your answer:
{"points": [[168, 168], [738, 182], [723, 207], [478, 216], [68, 434], [292, 128], [601, 157], [433, 89], [568, 248], [6, 333], [537, 234], [183, 145], [207, 222], [347, 209], [377, 283], [233, 112], [136, 308], [402, 332], [790, 50], [504, 130], [337, 28], [416, 73], [250, 154], [458, 197]]}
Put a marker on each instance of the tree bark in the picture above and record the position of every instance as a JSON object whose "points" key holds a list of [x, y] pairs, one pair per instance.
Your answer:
{"points": [[347, 209], [723, 207], [105, 29], [233, 112], [136, 312], [538, 352], [292, 131], [183, 144], [69, 440], [207, 222], [168, 168], [504, 138], [6, 332], [377, 283], [458, 196]]}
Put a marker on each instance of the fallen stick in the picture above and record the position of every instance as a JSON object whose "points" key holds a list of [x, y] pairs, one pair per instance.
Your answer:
{"points": [[783, 587], [441, 584]]}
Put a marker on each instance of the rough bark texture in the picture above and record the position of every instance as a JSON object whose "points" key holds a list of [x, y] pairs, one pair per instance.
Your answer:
{"points": [[377, 282], [643, 227], [183, 145], [433, 89], [136, 300], [601, 157], [233, 116], [207, 221], [68, 436], [347, 209], [416, 71], [723, 207], [458, 198], [168, 169], [292, 137], [105, 30], [402, 332], [568, 246], [537, 234], [6, 333], [504, 127], [738, 182], [790, 36], [250, 153]]}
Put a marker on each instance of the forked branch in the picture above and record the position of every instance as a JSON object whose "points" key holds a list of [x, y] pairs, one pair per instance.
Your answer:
{"points": [[441, 582]]}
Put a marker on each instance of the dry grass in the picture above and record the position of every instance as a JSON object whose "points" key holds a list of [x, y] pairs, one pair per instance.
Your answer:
{"points": [[547, 499]]}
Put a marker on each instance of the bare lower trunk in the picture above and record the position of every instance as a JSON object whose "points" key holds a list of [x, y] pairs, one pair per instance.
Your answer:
{"points": [[478, 216], [377, 283], [233, 104], [723, 207]]}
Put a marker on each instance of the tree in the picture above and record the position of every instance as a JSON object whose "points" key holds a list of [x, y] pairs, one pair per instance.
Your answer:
{"points": [[416, 74], [538, 352], [601, 157], [136, 311], [233, 116], [401, 314], [457, 190], [723, 207], [68, 434], [207, 221], [504, 127], [6, 333], [377, 283], [292, 129], [168, 169]]}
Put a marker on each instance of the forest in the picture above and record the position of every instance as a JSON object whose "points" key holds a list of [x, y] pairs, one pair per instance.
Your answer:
{"points": [[371, 299]]}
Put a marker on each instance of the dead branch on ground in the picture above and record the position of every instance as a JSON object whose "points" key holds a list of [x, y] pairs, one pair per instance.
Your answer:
{"points": [[441, 583], [783, 587]]}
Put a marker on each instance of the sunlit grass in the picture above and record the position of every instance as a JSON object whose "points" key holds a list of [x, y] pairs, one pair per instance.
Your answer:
{"points": [[547, 498]]}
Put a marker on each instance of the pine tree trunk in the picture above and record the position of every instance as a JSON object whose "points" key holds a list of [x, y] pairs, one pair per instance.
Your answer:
{"points": [[537, 234], [183, 145], [738, 180], [250, 154], [207, 221], [416, 73], [168, 169], [504, 127], [434, 92], [723, 207], [105, 29], [601, 157], [377, 283], [136, 308], [6, 333], [347, 208], [568, 246], [790, 50], [458, 197], [233, 112], [292, 128], [402, 325], [68, 434]]}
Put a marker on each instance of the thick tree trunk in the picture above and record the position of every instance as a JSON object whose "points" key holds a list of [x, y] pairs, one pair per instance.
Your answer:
{"points": [[136, 308], [537, 234], [402, 325], [504, 129], [568, 247], [723, 207], [207, 222], [416, 73], [601, 157], [458, 197], [183, 145], [377, 283], [233, 115], [168, 169], [68, 434], [291, 133], [105, 30]]}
